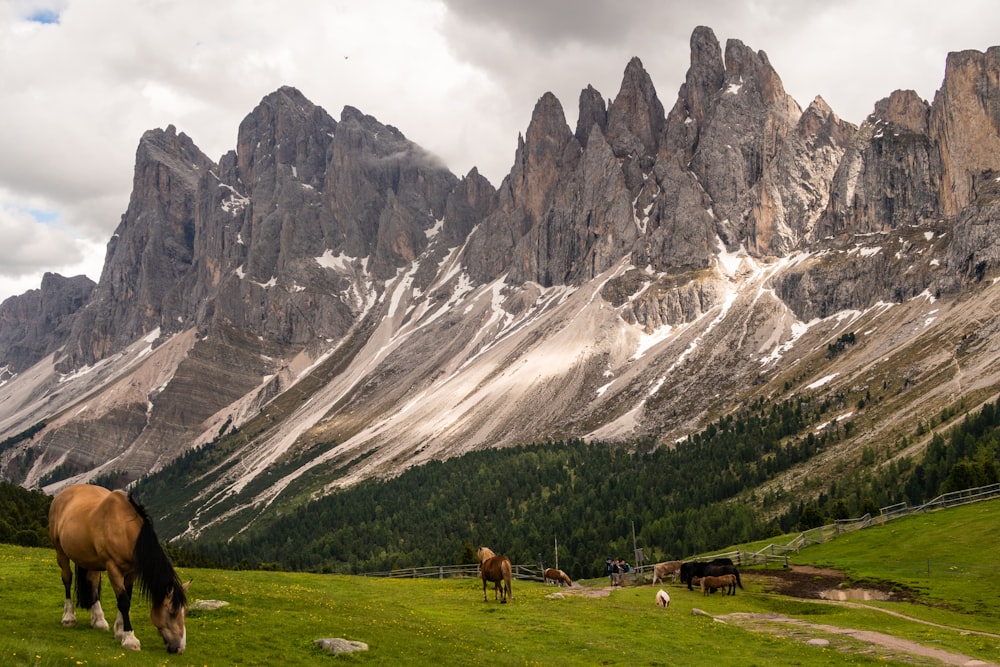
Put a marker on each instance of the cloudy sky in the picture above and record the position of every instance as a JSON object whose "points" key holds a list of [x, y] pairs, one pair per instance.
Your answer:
{"points": [[81, 80]]}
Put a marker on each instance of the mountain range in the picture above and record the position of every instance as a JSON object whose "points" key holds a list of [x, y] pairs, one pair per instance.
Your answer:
{"points": [[328, 303]]}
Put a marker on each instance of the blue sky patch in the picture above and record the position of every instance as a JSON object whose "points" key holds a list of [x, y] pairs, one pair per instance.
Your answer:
{"points": [[46, 16], [42, 216]]}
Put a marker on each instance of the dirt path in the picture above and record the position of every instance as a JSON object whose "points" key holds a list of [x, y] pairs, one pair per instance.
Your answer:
{"points": [[810, 583], [847, 640]]}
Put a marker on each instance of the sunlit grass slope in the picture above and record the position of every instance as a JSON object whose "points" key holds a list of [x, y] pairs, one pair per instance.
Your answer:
{"points": [[273, 618]]}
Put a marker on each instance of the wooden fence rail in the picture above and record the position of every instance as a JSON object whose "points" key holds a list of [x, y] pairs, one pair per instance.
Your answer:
{"points": [[460, 571], [772, 554], [886, 514]]}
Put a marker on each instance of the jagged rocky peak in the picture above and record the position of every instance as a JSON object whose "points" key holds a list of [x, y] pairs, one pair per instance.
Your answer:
{"points": [[636, 117], [904, 109], [548, 132], [470, 202], [34, 324], [705, 76], [744, 66], [888, 177], [819, 120], [172, 149], [794, 190], [547, 151], [150, 252], [285, 129], [384, 192], [702, 83], [729, 122], [965, 122], [593, 111], [376, 148]]}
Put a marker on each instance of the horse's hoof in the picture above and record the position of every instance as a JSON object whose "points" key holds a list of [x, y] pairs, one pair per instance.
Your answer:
{"points": [[131, 642], [101, 625], [68, 622]]}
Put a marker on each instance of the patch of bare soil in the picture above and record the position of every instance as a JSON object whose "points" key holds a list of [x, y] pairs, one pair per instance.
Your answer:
{"points": [[582, 591], [814, 583]]}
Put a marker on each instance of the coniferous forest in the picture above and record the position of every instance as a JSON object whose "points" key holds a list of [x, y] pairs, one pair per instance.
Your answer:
{"points": [[593, 498], [590, 497]]}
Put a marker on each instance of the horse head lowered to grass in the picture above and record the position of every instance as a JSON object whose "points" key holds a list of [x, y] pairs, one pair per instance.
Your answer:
{"points": [[498, 570], [107, 531], [557, 576]]}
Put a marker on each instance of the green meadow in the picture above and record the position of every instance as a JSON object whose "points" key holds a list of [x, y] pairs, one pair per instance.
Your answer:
{"points": [[944, 561]]}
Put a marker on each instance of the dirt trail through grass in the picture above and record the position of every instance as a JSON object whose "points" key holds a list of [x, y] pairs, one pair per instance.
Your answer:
{"points": [[855, 641], [807, 582]]}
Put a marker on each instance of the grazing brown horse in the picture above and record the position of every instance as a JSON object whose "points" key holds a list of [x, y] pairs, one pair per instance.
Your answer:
{"points": [[107, 531], [726, 581], [661, 570], [558, 576], [498, 570]]}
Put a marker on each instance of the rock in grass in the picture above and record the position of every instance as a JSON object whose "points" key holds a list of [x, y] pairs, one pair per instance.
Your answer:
{"points": [[337, 645], [209, 605]]}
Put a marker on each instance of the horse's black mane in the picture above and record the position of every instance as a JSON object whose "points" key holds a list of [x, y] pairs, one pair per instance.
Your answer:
{"points": [[156, 575]]}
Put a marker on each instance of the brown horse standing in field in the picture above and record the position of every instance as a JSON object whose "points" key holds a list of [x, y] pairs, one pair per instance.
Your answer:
{"points": [[558, 576], [725, 581], [498, 570], [661, 570], [107, 531]]}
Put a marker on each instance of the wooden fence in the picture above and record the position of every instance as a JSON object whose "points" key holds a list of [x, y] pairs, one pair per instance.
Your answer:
{"points": [[461, 571], [772, 554], [886, 514]]}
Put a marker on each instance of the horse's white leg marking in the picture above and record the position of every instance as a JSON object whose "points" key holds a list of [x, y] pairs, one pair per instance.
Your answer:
{"points": [[97, 619], [119, 627], [130, 641], [69, 616]]}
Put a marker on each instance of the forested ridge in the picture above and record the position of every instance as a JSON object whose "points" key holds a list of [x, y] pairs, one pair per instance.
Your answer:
{"points": [[695, 497]]}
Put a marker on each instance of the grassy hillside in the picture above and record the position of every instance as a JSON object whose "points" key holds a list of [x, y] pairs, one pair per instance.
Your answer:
{"points": [[273, 617], [948, 559]]}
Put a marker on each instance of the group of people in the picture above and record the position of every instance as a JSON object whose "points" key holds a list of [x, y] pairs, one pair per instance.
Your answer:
{"points": [[616, 569]]}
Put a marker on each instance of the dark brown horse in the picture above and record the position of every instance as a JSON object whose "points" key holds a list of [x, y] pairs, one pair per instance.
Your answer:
{"points": [[107, 531], [715, 568], [498, 570]]}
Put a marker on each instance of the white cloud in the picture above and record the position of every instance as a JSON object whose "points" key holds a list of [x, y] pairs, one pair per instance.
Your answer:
{"points": [[458, 77]]}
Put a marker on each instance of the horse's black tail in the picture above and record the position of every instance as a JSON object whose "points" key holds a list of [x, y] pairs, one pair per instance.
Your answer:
{"points": [[737, 573], [86, 596]]}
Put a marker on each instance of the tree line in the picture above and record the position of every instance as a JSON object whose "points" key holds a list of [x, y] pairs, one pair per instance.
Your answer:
{"points": [[23, 516], [596, 499]]}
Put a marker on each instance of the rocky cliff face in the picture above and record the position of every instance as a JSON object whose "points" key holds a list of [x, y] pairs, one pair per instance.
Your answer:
{"points": [[36, 323], [327, 302]]}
